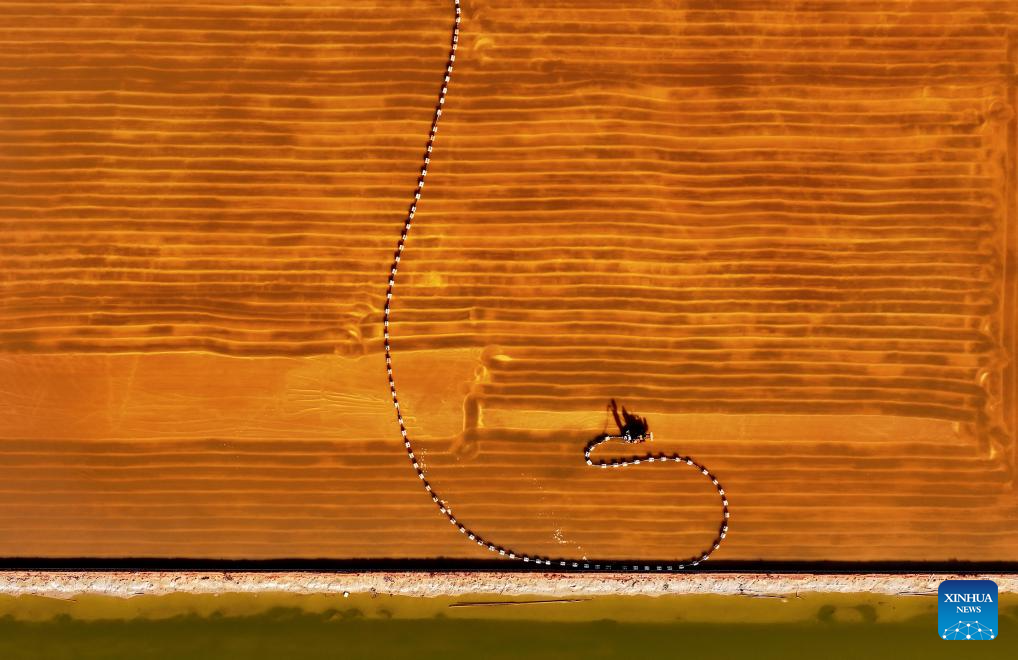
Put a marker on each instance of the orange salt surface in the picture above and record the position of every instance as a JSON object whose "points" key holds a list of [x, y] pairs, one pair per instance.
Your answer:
{"points": [[784, 235]]}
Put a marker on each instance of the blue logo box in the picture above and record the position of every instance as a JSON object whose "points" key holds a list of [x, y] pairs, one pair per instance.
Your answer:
{"points": [[967, 609]]}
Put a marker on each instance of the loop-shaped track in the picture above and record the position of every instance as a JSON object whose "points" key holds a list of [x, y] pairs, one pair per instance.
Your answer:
{"points": [[443, 507]]}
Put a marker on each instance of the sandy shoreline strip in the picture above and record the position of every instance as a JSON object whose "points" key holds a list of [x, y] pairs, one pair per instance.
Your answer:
{"points": [[62, 584]]}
